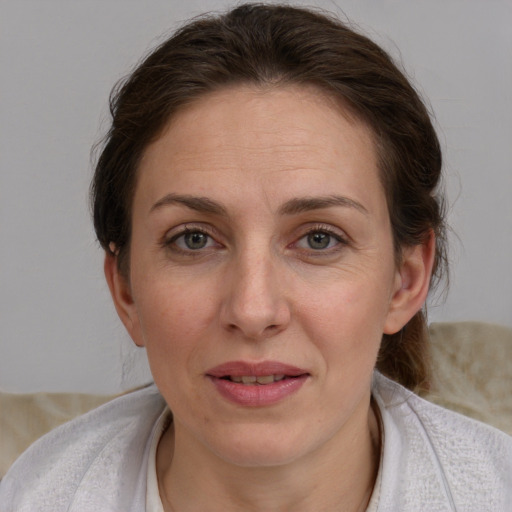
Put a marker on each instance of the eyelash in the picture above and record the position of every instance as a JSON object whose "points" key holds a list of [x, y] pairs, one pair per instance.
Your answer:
{"points": [[169, 243]]}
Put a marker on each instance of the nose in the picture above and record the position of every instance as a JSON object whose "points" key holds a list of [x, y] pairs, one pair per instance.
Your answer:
{"points": [[255, 304]]}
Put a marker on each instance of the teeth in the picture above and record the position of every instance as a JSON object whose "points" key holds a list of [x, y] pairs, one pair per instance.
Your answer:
{"points": [[251, 379], [267, 379]]}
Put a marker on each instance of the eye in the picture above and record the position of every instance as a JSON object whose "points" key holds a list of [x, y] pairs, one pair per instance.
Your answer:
{"points": [[320, 240], [193, 240], [190, 240]]}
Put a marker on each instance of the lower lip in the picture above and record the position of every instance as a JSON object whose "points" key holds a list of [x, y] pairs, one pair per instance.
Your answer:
{"points": [[258, 395]]}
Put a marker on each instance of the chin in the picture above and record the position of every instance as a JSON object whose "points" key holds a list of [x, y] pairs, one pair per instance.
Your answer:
{"points": [[260, 447]]}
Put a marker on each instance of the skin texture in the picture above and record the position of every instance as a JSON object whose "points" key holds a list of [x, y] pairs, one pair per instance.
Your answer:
{"points": [[258, 291]]}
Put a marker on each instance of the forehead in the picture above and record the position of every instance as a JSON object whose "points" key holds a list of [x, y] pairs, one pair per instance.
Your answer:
{"points": [[296, 137]]}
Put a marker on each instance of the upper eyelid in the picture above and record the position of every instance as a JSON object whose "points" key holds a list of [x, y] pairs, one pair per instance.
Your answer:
{"points": [[188, 227], [326, 228]]}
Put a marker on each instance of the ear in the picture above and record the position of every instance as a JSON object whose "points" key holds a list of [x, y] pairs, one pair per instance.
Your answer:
{"points": [[412, 284], [122, 296]]}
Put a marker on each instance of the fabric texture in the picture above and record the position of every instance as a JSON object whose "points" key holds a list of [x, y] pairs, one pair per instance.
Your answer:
{"points": [[437, 460], [26, 417], [153, 501], [433, 459], [96, 463]]}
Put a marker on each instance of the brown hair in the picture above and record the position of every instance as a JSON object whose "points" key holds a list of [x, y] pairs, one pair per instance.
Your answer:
{"points": [[273, 45]]}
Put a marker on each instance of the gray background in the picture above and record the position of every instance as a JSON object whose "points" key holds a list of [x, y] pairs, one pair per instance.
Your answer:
{"points": [[58, 61]]}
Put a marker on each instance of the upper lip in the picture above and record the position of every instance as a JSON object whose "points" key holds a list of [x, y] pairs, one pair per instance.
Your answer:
{"points": [[246, 368]]}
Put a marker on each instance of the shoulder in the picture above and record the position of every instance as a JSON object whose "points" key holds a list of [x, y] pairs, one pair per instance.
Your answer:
{"points": [[438, 457], [102, 450]]}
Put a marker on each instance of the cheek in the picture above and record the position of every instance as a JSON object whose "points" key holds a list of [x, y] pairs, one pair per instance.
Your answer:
{"points": [[167, 304], [346, 323], [174, 319]]}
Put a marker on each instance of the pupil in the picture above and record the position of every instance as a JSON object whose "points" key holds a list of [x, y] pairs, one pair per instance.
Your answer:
{"points": [[319, 240], [195, 240]]}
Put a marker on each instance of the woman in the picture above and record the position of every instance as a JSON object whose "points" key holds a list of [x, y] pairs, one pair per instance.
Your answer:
{"points": [[267, 201]]}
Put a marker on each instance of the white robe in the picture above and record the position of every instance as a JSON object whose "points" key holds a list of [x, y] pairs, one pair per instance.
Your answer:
{"points": [[433, 460]]}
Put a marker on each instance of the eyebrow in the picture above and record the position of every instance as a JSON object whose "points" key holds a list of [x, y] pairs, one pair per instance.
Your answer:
{"points": [[305, 204], [292, 207], [199, 204]]}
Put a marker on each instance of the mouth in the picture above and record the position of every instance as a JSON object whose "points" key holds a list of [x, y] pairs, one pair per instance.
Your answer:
{"points": [[253, 380], [257, 384], [265, 372]]}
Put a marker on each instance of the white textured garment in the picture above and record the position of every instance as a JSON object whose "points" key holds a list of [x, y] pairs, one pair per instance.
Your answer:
{"points": [[96, 463], [433, 460], [153, 501]]}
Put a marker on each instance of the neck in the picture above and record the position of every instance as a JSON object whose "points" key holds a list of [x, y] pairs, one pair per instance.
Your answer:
{"points": [[338, 476]]}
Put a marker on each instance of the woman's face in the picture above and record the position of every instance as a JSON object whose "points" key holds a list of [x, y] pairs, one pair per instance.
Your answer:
{"points": [[261, 250]]}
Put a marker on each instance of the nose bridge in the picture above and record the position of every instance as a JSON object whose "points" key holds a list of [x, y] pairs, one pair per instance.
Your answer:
{"points": [[255, 304], [256, 280]]}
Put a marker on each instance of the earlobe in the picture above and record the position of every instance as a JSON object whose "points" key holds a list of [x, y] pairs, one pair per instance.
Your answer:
{"points": [[121, 293], [412, 284]]}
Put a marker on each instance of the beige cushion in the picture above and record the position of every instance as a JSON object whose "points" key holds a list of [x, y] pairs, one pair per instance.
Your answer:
{"points": [[472, 375], [472, 364]]}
